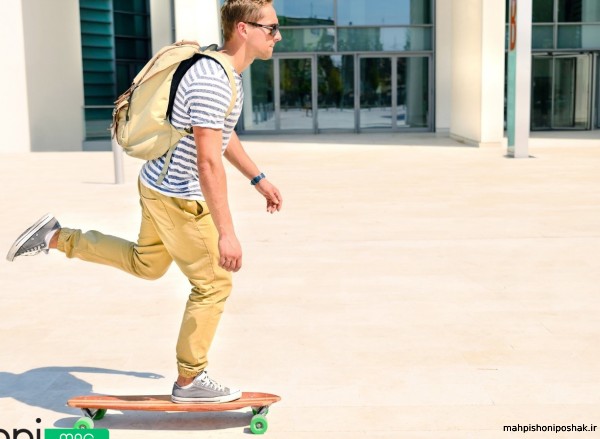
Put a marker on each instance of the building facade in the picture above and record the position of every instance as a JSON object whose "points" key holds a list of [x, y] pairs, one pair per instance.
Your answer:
{"points": [[342, 66]]}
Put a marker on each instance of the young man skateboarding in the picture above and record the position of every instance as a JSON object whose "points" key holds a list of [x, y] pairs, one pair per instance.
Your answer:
{"points": [[186, 218]]}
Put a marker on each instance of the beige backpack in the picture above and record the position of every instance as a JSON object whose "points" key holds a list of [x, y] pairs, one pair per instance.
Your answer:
{"points": [[141, 117]]}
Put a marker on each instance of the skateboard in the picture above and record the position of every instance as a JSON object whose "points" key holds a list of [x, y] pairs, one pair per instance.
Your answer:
{"points": [[94, 407]]}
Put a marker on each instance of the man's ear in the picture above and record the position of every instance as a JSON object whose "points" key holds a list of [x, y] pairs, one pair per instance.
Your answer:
{"points": [[241, 29]]}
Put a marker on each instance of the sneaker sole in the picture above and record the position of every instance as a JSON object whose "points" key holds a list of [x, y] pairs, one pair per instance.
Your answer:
{"points": [[23, 238], [226, 398]]}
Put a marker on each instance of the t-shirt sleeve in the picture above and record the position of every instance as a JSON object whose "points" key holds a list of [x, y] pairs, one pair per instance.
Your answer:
{"points": [[208, 96]]}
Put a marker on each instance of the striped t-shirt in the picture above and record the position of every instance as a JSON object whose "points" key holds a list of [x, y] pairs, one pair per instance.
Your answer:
{"points": [[202, 99]]}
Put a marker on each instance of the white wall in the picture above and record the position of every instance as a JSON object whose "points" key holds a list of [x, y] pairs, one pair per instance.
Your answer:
{"points": [[14, 111], [197, 20], [477, 109], [54, 74]]}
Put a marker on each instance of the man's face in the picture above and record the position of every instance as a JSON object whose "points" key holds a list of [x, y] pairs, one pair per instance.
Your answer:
{"points": [[260, 38]]}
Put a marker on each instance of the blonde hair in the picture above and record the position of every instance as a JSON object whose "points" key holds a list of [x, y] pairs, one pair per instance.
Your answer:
{"points": [[236, 11]]}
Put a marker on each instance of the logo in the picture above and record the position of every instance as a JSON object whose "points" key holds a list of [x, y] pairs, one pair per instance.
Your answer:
{"points": [[513, 25], [54, 433], [73, 433], [21, 432]]}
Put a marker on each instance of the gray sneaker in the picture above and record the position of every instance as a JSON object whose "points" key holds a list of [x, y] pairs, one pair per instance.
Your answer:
{"points": [[35, 239], [204, 389]]}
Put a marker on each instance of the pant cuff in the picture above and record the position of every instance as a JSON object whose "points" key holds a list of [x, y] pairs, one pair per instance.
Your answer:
{"points": [[63, 235], [187, 373]]}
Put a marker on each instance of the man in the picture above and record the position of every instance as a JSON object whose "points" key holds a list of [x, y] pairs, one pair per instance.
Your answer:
{"points": [[186, 218]]}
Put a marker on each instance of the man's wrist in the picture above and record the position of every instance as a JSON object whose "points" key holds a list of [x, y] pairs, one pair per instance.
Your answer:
{"points": [[256, 179]]}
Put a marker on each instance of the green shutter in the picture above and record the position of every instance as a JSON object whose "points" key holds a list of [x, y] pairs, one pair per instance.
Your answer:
{"points": [[98, 55]]}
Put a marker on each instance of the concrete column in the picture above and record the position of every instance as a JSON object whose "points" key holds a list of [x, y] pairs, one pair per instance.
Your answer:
{"points": [[14, 112], [248, 113], [198, 20], [54, 73], [477, 108], [519, 78], [161, 24], [443, 65]]}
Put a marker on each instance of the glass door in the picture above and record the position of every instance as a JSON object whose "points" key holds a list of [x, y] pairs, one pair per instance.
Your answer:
{"points": [[597, 70], [295, 101], [335, 109], [394, 92], [561, 92], [412, 92], [376, 92], [541, 92]]}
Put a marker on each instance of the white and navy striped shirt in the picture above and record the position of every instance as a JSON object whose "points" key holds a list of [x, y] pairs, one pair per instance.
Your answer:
{"points": [[202, 99]]}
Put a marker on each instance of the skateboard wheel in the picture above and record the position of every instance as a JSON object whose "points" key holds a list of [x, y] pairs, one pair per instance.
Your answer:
{"points": [[84, 424], [259, 424], [99, 414]]}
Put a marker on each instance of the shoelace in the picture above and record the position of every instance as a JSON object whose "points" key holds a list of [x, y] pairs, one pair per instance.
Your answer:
{"points": [[206, 381], [34, 250]]}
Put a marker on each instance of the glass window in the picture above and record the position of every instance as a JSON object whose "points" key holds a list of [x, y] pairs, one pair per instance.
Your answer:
{"points": [[132, 39], [383, 12], [304, 12], [384, 39], [542, 37], [307, 40], [131, 25], [577, 11], [140, 6], [259, 97], [579, 37], [569, 37], [132, 48], [336, 91], [543, 11]]}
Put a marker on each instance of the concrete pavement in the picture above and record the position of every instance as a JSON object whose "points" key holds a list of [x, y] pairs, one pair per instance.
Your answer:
{"points": [[412, 287]]}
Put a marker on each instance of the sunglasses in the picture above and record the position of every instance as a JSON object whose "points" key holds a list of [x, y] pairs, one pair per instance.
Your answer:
{"points": [[273, 28]]}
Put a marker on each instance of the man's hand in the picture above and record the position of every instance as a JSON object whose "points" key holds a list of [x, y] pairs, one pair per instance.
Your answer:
{"points": [[271, 194], [230, 252]]}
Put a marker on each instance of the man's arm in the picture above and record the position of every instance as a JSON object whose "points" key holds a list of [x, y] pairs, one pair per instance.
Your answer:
{"points": [[213, 182], [237, 156]]}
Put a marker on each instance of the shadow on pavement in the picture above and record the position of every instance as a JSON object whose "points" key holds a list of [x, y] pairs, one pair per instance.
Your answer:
{"points": [[50, 387]]}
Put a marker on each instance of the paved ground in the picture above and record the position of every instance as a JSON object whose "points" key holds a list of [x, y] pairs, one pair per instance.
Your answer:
{"points": [[412, 287]]}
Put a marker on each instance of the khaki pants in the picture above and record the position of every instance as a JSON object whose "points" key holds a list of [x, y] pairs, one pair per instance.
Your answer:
{"points": [[172, 229]]}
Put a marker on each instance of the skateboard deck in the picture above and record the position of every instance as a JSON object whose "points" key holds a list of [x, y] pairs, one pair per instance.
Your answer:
{"points": [[94, 407]]}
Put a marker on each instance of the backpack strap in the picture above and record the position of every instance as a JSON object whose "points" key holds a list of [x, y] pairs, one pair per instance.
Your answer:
{"points": [[163, 172], [211, 52], [224, 62]]}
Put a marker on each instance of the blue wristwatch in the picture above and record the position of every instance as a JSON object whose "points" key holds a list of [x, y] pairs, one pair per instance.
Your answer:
{"points": [[256, 179]]}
